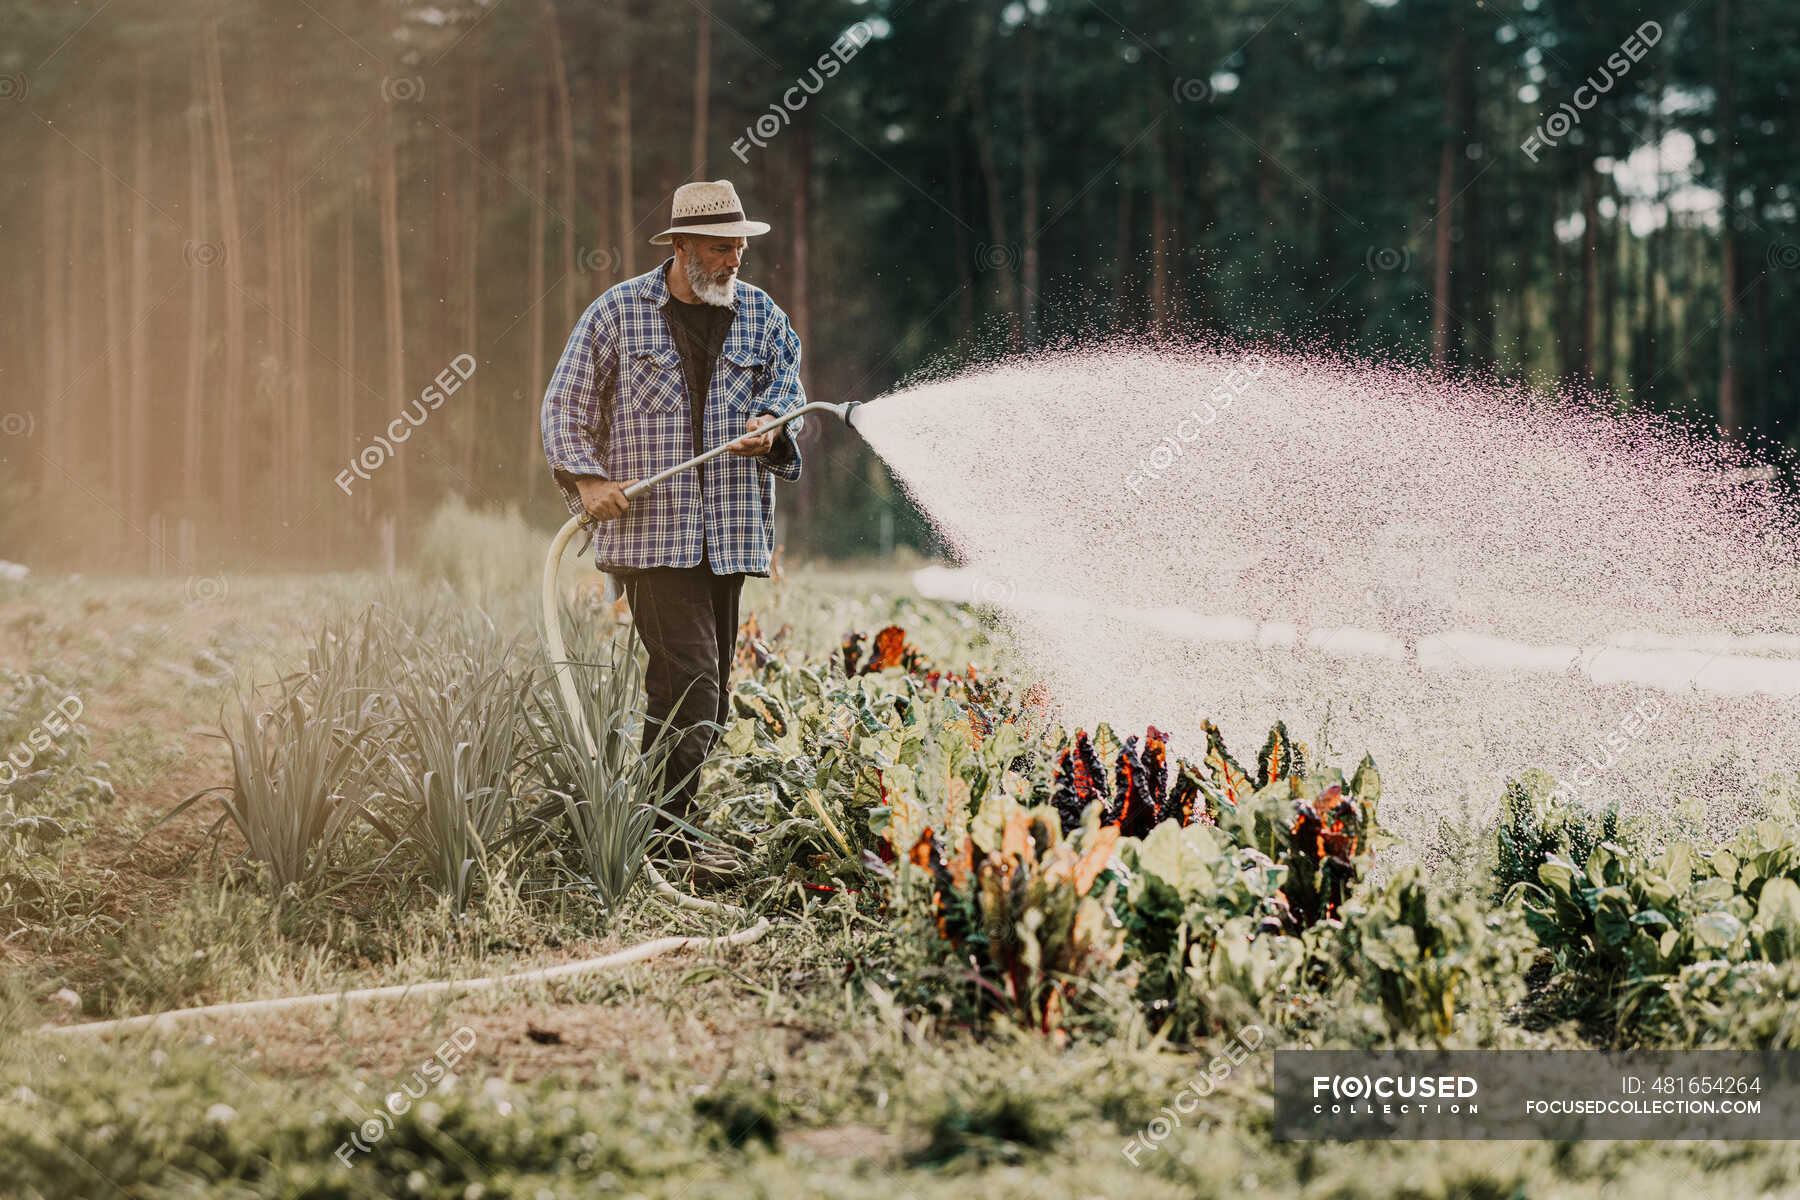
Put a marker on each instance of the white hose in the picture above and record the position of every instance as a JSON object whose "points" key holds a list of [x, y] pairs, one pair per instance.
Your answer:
{"points": [[565, 681], [400, 991]]}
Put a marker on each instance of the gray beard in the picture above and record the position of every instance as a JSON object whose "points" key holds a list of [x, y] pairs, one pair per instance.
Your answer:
{"points": [[720, 294]]}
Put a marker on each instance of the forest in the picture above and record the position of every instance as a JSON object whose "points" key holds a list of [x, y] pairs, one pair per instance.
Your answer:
{"points": [[242, 237]]}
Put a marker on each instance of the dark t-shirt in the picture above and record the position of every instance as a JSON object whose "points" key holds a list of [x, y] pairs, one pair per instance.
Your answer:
{"points": [[699, 332]]}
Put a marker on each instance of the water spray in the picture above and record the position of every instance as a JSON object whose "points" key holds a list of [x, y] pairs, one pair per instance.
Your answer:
{"points": [[1464, 578]]}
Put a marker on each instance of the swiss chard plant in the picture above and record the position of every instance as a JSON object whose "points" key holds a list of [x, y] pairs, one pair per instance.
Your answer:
{"points": [[1637, 927]]}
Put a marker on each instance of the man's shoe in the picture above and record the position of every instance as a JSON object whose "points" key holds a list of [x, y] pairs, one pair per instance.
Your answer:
{"points": [[713, 870]]}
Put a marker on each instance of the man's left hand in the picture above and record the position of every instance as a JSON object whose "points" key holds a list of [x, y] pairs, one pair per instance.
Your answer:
{"points": [[758, 445]]}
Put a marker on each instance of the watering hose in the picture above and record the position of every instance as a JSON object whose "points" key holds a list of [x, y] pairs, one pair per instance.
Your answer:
{"points": [[638, 953], [559, 657], [409, 991]]}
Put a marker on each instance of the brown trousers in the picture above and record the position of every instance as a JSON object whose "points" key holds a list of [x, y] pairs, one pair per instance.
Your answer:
{"points": [[687, 618]]}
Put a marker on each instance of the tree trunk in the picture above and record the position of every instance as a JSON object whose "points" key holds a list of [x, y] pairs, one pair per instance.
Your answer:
{"points": [[702, 83], [1266, 229], [347, 386], [1684, 321], [1647, 369], [802, 297], [959, 239], [1559, 283], [85, 408], [273, 391], [231, 400], [112, 298], [85, 319], [1028, 200], [1521, 296], [540, 154], [1605, 360], [1159, 258], [1183, 300], [1477, 271], [1121, 248], [58, 403], [1590, 270], [138, 491], [388, 184], [999, 256], [801, 170], [1763, 413], [299, 451], [1730, 414], [627, 250], [565, 133], [601, 193], [1450, 158], [200, 266], [470, 266], [445, 226]]}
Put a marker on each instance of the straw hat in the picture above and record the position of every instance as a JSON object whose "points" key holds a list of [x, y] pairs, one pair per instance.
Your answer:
{"points": [[708, 209]]}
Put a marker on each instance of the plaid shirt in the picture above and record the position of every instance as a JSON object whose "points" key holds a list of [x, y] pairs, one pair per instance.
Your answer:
{"points": [[617, 407]]}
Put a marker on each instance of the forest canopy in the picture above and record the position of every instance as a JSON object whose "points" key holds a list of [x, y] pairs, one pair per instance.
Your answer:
{"points": [[241, 238]]}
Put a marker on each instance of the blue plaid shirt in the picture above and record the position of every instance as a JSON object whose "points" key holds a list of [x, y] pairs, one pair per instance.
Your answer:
{"points": [[643, 425]]}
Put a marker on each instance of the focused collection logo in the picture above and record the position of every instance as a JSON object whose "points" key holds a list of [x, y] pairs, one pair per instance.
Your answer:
{"points": [[1370, 1095]]}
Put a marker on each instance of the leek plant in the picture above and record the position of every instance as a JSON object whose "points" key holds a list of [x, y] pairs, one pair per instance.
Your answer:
{"points": [[298, 767], [604, 799], [451, 771]]}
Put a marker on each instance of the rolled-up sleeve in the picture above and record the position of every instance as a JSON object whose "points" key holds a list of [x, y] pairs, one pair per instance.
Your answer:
{"points": [[785, 448], [781, 395], [576, 414]]}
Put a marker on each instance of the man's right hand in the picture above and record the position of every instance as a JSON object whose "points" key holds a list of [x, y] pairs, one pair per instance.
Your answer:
{"points": [[604, 499]]}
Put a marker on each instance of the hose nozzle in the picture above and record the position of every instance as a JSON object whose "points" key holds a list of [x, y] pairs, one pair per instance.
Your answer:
{"points": [[844, 410]]}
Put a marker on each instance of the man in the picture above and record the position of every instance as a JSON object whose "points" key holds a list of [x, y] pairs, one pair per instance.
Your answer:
{"points": [[659, 369]]}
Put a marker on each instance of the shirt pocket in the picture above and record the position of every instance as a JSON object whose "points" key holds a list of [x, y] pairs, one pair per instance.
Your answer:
{"points": [[743, 372], [653, 379]]}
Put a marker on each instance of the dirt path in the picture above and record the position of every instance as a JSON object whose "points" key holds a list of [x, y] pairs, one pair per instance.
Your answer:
{"points": [[127, 868]]}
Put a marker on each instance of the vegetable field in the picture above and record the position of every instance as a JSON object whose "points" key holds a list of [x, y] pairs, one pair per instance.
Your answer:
{"points": [[998, 951]]}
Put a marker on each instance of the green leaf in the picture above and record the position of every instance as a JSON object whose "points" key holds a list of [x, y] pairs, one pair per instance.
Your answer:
{"points": [[1366, 783], [1180, 857], [741, 736], [1717, 929], [1612, 916], [1725, 865], [1713, 893], [1404, 941], [1603, 866], [1778, 917], [1559, 877]]}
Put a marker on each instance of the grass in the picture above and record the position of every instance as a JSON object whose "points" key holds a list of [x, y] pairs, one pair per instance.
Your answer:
{"points": [[781, 1068], [690, 1080]]}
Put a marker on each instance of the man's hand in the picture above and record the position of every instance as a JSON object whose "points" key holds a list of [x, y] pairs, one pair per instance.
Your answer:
{"points": [[755, 447], [604, 499]]}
